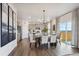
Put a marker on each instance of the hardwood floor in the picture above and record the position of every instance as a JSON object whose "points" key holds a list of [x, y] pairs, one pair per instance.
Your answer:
{"points": [[23, 49]]}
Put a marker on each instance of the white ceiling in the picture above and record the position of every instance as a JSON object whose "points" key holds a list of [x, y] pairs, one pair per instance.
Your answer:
{"points": [[33, 11]]}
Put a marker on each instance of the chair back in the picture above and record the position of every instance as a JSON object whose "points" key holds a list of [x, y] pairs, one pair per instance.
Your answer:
{"points": [[31, 37], [44, 40], [53, 39]]}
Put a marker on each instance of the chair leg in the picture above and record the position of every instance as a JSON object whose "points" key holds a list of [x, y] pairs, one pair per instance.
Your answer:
{"points": [[35, 45], [30, 44]]}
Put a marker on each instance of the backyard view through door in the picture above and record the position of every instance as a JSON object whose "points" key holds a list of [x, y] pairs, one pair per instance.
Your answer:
{"points": [[66, 32]]}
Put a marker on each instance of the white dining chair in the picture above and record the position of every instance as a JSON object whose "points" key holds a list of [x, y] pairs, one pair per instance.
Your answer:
{"points": [[44, 40], [53, 39], [32, 41]]}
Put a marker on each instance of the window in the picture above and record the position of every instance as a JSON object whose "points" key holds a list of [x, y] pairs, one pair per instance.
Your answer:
{"points": [[65, 26], [62, 26], [69, 26]]}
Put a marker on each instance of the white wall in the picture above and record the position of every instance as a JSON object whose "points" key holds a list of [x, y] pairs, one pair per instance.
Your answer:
{"points": [[5, 50], [78, 27], [24, 29], [75, 33], [49, 28], [74, 28]]}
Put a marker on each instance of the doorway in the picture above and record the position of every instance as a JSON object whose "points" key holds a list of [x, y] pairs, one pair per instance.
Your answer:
{"points": [[19, 33], [66, 32]]}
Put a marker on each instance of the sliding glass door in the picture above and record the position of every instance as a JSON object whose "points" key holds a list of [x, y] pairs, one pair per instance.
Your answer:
{"points": [[69, 32], [66, 32], [65, 28]]}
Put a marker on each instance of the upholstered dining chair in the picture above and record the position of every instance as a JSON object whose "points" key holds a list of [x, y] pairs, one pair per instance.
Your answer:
{"points": [[32, 41], [53, 40], [44, 41]]}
